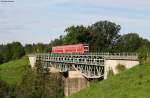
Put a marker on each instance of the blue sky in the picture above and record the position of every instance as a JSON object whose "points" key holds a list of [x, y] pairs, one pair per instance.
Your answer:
{"points": [[32, 21]]}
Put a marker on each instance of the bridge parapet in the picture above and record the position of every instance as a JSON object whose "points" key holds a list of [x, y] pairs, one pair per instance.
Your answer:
{"points": [[133, 56], [117, 56]]}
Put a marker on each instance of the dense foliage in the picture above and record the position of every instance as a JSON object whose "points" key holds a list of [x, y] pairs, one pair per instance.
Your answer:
{"points": [[11, 51], [36, 48], [40, 84], [103, 36], [16, 50]]}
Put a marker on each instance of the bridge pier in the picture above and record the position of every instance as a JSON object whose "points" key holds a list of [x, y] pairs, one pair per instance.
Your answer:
{"points": [[74, 83]]}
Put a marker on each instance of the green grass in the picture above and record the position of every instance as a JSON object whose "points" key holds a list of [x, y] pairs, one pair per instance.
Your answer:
{"points": [[12, 71], [132, 83]]}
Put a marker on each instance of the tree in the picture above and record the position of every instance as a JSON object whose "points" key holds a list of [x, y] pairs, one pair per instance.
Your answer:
{"points": [[39, 48], [17, 50], [47, 85], [77, 34], [39, 84], [11, 51], [1, 59], [145, 45], [104, 35], [129, 42], [100, 36], [57, 41], [7, 53], [28, 48]]}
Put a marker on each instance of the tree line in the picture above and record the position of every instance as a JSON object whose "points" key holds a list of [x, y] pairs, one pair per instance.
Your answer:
{"points": [[16, 50], [103, 36]]}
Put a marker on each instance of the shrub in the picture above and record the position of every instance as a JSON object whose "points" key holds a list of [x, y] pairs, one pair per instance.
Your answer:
{"points": [[120, 67], [4, 89], [142, 57]]}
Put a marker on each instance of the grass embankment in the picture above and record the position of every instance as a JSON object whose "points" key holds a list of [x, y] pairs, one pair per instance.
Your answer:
{"points": [[12, 71], [132, 83]]}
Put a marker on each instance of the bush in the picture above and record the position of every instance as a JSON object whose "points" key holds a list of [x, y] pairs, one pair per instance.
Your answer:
{"points": [[142, 57], [4, 89], [120, 67]]}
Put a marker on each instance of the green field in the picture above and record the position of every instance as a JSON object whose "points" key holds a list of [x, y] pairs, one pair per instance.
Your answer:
{"points": [[12, 71], [133, 83]]}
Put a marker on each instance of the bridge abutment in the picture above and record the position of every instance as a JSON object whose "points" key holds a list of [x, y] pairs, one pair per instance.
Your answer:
{"points": [[112, 64], [32, 60]]}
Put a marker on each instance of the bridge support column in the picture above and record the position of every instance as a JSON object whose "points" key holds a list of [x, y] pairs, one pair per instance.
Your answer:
{"points": [[74, 83]]}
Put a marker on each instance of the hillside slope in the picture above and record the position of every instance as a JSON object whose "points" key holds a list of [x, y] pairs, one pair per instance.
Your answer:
{"points": [[132, 83], [12, 71]]}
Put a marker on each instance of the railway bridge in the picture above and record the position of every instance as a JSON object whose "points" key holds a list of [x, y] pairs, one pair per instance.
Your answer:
{"points": [[88, 65], [91, 65]]}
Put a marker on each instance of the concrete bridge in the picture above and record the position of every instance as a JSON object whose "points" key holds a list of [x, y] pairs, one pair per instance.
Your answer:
{"points": [[84, 67]]}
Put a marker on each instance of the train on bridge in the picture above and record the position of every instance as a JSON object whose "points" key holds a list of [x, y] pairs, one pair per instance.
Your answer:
{"points": [[76, 48]]}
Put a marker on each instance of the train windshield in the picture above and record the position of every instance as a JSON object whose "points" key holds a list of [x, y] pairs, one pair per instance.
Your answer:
{"points": [[86, 47]]}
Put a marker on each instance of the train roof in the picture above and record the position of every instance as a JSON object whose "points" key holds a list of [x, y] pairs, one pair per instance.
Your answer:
{"points": [[73, 45]]}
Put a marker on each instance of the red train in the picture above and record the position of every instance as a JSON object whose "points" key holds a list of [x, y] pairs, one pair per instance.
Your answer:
{"points": [[76, 48]]}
